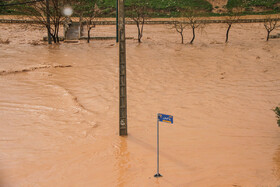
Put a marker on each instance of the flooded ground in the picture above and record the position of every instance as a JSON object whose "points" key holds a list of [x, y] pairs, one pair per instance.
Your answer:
{"points": [[59, 109]]}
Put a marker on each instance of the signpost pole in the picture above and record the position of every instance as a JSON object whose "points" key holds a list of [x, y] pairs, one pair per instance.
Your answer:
{"points": [[161, 118], [157, 174], [157, 148]]}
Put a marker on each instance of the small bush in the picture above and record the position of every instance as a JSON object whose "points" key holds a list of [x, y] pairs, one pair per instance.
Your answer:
{"points": [[277, 112], [252, 3]]}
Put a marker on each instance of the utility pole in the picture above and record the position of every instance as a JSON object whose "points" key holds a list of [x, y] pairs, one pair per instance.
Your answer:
{"points": [[122, 69], [48, 21]]}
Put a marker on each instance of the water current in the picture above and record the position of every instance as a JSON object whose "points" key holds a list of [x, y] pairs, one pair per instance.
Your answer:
{"points": [[59, 109]]}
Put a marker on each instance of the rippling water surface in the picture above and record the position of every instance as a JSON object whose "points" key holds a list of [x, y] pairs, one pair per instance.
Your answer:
{"points": [[59, 109]]}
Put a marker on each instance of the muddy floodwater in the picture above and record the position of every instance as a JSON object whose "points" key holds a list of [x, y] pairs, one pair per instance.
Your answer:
{"points": [[59, 109]]}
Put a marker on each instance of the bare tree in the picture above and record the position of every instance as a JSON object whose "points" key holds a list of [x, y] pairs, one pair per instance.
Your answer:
{"points": [[87, 10], [232, 18], [138, 12], [90, 24], [180, 26], [37, 11], [193, 21], [270, 24]]}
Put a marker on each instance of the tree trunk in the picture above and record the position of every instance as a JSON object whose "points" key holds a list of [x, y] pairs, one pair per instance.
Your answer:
{"points": [[49, 34], [268, 33], [88, 38], [229, 26], [182, 36], [142, 27], [139, 32], [57, 30], [81, 24], [54, 38], [193, 29], [55, 34]]}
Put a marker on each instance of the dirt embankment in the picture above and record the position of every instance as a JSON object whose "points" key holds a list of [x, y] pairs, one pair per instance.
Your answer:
{"points": [[218, 5]]}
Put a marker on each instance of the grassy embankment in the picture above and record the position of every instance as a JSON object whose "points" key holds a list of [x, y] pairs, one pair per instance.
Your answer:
{"points": [[157, 8], [256, 6], [173, 8], [160, 8]]}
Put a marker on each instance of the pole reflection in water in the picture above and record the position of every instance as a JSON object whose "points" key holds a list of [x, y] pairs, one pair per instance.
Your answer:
{"points": [[122, 161]]}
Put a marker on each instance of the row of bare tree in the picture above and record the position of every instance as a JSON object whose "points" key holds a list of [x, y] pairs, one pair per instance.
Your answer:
{"points": [[190, 21], [190, 18], [40, 10], [87, 10], [137, 10]]}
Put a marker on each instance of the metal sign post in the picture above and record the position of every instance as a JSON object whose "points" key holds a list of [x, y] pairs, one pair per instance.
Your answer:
{"points": [[166, 119], [157, 174]]}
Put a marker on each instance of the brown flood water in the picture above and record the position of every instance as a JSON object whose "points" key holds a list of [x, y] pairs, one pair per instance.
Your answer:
{"points": [[59, 109]]}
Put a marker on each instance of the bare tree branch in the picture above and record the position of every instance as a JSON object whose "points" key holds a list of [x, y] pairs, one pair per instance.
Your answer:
{"points": [[138, 12], [270, 24], [232, 18], [180, 26], [193, 21], [37, 11]]}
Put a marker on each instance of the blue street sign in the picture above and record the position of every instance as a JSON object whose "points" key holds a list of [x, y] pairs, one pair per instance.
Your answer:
{"points": [[165, 118]]}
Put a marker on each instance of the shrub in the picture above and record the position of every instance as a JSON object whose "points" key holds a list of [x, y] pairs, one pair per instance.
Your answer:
{"points": [[277, 112], [251, 3]]}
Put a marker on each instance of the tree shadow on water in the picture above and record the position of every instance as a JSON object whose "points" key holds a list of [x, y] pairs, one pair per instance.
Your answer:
{"points": [[122, 156]]}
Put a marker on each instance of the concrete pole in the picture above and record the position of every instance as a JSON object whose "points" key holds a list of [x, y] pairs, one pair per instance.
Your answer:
{"points": [[122, 69], [117, 21], [48, 21]]}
